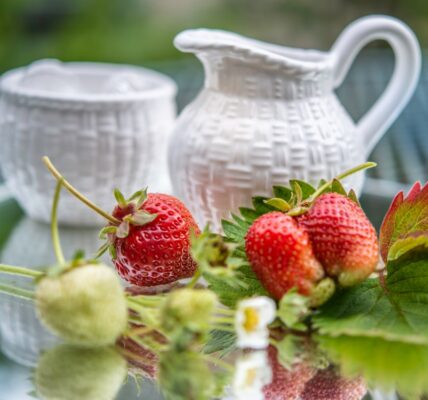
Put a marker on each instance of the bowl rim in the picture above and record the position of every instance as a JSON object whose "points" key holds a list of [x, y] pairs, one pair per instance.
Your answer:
{"points": [[164, 86]]}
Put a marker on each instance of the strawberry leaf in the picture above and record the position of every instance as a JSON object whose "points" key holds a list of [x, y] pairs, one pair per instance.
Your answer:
{"points": [[142, 217], [302, 188], [402, 246], [293, 309], [278, 203], [230, 294], [260, 206], [388, 365], [395, 308], [283, 192], [233, 231], [337, 187], [407, 216], [249, 214], [120, 198], [241, 222], [353, 196]]}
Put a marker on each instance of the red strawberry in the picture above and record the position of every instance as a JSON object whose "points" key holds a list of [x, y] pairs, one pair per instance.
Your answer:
{"points": [[286, 384], [153, 248], [281, 255], [148, 235], [343, 239], [329, 385]]}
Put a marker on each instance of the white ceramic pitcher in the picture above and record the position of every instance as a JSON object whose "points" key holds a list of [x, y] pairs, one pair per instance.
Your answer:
{"points": [[269, 113]]}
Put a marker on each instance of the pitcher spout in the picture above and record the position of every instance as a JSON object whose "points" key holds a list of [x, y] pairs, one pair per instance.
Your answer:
{"points": [[203, 41], [236, 65]]}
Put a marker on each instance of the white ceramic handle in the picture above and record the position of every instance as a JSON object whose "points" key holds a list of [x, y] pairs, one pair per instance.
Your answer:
{"points": [[404, 79]]}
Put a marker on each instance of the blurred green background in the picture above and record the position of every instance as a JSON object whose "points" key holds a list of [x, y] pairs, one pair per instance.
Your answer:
{"points": [[141, 31]]}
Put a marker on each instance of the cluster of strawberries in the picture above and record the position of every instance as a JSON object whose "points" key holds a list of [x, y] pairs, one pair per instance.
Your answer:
{"points": [[312, 242], [333, 239], [333, 242]]}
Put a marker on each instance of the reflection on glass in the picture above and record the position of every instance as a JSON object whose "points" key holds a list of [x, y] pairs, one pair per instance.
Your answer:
{"points": [[68, 372], [30, 244]]}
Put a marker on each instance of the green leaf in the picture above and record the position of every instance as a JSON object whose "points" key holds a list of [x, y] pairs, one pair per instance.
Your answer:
{"points": [[321, 183], [249, 214], [303, 188], [142, 217], [112, 251], [241, 222], [407, 216], [119, 198], [220, 341], [78, 256], [353, 196], [233, 231], [106, 230], [229, 294], [297, 192], [395, 310], [102, 249], [260, 206], [387, 365], [139, 198], [283, 192], [293, 309], [278, 203], [402, 246], [337, 187]]}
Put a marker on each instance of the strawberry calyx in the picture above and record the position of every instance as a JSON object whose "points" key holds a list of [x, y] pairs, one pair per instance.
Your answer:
{"points": [[127, 212], [299, 197]]}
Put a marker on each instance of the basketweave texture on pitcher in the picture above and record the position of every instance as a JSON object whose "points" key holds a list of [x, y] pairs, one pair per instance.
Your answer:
{"points": [[268, 114]]}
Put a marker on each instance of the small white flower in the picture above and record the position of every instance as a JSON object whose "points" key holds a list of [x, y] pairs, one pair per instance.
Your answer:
{"points": [[251, 322], [252, 373]]}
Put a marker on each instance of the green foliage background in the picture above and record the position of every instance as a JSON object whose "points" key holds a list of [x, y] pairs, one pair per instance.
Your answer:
{"points": [[138, 31]]}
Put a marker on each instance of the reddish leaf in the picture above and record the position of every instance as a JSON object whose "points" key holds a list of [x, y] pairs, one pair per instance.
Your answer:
{"points": [[406, 217]]}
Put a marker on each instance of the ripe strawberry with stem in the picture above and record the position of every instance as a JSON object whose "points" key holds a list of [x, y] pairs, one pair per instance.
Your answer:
{"points": [[342, 237], [148, 235], [281, 255]]}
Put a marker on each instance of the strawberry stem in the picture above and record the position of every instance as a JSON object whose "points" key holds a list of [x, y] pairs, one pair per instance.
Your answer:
{"points": [[343, 175], [54, 224], [77, 194], [191, 284], [17, 292], [19, 271]]}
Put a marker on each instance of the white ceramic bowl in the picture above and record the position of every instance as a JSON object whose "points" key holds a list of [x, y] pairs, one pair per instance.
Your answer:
{"points": [[103, 126]]}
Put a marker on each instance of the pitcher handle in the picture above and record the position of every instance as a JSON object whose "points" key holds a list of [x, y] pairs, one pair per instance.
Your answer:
{"points": [[403, 81]]}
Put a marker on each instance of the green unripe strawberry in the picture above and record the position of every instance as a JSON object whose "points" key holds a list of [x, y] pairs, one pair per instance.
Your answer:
{"points": [[189, 309], [85, 305], [70, 373]]}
